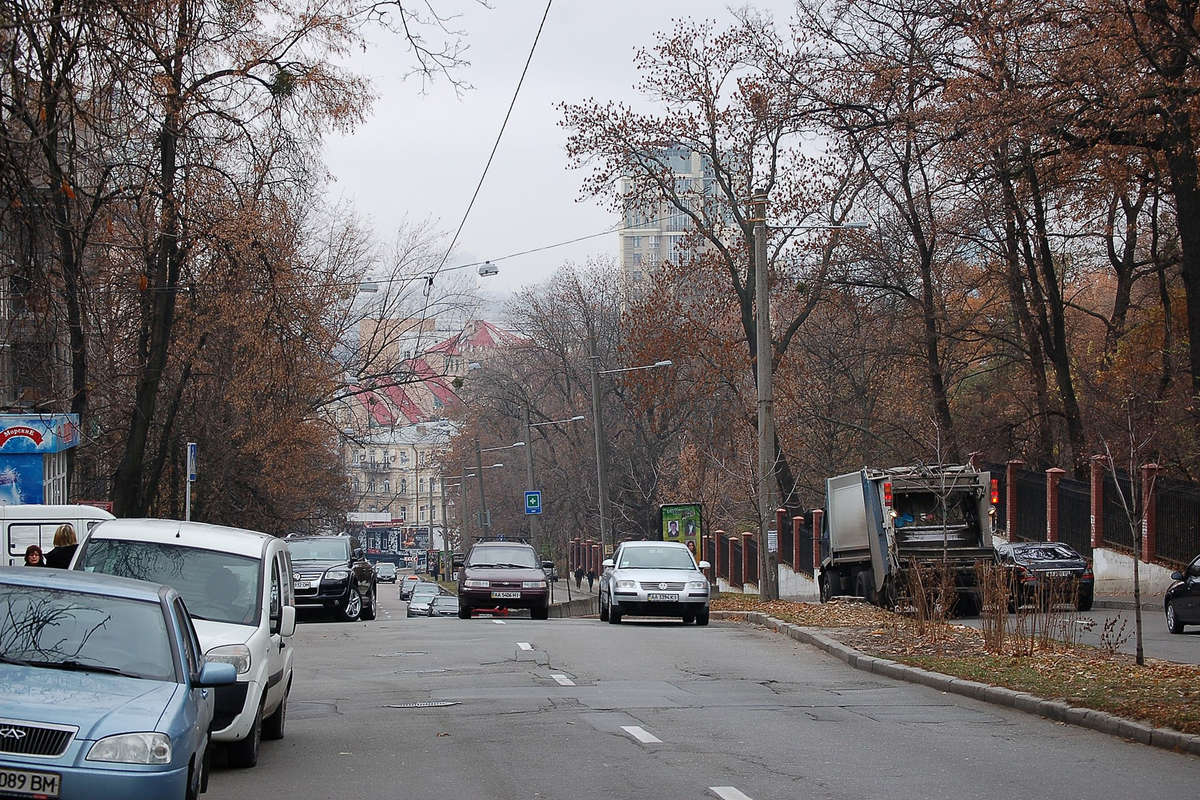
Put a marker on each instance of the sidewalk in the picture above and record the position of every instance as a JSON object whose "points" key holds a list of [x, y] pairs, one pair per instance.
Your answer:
{"points": [[574, 602], [1123, 601]]}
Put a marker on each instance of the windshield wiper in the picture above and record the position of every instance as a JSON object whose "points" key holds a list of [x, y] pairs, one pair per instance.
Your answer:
{"points": [[78, 666]]}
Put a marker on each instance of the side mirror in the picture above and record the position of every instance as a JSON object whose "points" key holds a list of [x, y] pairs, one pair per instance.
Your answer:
{"points": [[1176, 575], [358, 553], [704, 565], [214, 673], [608, 562], [287, 623]]}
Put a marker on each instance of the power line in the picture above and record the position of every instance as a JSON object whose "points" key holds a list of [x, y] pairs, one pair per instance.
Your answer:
{"points": [[496, 145]]}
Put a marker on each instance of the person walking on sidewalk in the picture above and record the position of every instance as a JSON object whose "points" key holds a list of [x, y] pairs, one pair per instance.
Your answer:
{"points": [[591, 576], [578, 577]]}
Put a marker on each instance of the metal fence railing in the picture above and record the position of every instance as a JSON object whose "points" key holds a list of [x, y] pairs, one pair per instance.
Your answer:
{"points": [[1116, 523], [1177, 520], [785, 544], [735, 561], [1031, 500], [805, 550], [1074, 514]]}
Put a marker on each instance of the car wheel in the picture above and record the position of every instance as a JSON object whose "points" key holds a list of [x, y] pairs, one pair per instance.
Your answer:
{"points": [[614, 614], [352, 610], [244, 752], [464, 612], [206, 765], [1173, 623], [540, 613], [1085, 601], [688, 619], [370, 606], [273, 725], [193, 783], [603, 610], [702, 617]]}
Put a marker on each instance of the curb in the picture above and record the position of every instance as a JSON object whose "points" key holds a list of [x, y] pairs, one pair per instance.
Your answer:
{"points": [[1166, 738], [1126, 605], [582, 607]]}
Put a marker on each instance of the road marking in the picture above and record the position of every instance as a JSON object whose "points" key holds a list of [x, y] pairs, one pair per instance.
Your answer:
{"points": [[525, 645], [563, 680], [642, 735], [498, 621], [728, 793]]}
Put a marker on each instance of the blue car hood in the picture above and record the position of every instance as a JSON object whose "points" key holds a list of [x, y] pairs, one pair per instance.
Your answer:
{"points": [[99, 704]]}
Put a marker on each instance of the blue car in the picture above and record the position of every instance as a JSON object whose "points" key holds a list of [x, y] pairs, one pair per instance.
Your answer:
{"points": [[104, 692]]}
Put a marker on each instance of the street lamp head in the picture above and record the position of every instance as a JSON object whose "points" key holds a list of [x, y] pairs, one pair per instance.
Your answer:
{"points": [[667, 363], [577, 418], [494, 466], [517, 444], [856, 225]]}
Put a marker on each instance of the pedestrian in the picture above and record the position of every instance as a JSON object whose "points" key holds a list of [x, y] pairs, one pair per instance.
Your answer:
{"points": [[578, 577], [65, 544], [34, 557], [591, 576]]}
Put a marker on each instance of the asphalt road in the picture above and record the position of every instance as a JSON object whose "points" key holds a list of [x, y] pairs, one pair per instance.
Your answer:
{"points": [[578, 709], [1157, 642]]}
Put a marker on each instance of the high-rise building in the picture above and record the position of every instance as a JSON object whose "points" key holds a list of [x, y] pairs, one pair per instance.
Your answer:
{"points": [[654, 232]]}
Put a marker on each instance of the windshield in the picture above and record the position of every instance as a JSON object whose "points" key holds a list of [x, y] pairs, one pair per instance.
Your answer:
{"points": [[664, 557], [426, 588], [216, 586], [319, 549], [445, 600], [503, 556], [85, 632], [387, 569], [1048, 552]]}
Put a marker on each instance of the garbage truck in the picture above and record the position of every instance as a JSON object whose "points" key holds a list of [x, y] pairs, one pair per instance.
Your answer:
{"points": [[879, 523]]}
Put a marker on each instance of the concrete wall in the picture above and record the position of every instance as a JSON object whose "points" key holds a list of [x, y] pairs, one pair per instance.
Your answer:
{"points": [[583, 607], [1114, 574], [796, 585]]}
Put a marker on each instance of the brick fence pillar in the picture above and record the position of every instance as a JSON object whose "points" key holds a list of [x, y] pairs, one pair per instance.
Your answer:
{"points": [[1010, 497], [1096, 500], [596, 558], [729, 560], [797, 527], [1053, 476], [719, 541], [746, 537], [1149, 511], [818, 516]]}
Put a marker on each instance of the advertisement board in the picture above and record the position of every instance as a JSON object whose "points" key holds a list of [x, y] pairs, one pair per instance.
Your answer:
{"points": [[682, 522]]}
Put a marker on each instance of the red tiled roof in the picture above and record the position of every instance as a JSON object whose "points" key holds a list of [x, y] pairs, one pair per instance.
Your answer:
{"points": [[404, 403], [477, 334], [433, 382], [380, 413]]}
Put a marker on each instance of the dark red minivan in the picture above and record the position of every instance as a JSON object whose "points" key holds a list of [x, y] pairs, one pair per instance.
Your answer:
{"points": [[501, 575]]}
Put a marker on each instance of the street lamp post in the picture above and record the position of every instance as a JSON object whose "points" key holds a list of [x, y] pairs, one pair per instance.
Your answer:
{"points": [[485, 521], [602, 442], [529, 426], [768, 578], [465, 477]]}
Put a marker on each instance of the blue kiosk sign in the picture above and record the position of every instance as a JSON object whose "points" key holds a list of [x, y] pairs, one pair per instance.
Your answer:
{"points": [[33, 456]]}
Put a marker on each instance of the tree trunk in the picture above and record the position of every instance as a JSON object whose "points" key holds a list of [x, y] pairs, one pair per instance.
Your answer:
{"points": [[1182, 163]]}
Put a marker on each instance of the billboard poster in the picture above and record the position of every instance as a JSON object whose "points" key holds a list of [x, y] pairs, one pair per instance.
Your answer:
{"points": [[38, 433], [681, 522], [21, 479]]}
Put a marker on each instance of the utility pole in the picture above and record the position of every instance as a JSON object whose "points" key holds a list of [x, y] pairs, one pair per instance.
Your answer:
{"points": [[533, 524], [768, 577], [484, 522], [601, 450]]}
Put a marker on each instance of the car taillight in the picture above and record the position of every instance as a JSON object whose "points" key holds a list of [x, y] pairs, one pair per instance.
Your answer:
{"points": [[887, 494], [995, 491]]}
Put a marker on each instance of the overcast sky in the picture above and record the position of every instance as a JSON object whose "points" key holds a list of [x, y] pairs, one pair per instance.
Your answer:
{"points": [[420, 155]]}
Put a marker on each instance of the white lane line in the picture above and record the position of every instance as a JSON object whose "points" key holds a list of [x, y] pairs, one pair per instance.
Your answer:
{"points": [[728, 793], [642, 735], [498, 621], [563, 680], [525, 645]]}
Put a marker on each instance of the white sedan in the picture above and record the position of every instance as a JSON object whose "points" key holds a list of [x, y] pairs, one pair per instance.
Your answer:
{"points": [[659, 579]]}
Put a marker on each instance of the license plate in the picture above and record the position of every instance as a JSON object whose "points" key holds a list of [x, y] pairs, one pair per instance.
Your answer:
{"points": [[302, 585], [1058, 573], [18, 781], [506, 595], [659, 596]]}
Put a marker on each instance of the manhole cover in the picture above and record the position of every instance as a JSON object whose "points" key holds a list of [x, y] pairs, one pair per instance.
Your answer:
{"points": [[423, 704]]}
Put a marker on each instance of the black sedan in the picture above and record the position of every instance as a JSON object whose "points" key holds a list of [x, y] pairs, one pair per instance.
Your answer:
{"points": [[1182, 603], [445, 605], [1041, 569]]}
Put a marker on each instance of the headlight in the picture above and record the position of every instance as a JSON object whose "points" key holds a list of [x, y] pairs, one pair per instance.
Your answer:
{"points": [[533, 584], [626, 585], [236, 654], [697, 584], [133, 748], [474, 584], [336, 574]]}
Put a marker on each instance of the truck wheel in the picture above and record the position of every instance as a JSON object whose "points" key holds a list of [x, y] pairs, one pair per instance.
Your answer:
{"points": [[864, 586], [834, 582]]}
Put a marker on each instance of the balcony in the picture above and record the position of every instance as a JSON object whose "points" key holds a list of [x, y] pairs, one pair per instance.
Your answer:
{"points": [[375, 466]]}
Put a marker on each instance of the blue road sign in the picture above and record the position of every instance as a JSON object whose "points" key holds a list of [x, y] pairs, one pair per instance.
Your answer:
{"points": [[533, 502], [191, 461]]}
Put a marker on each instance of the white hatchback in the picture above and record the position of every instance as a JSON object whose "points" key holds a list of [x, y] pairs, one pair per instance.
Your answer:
{"points": [[237, 585], [659, 579]]}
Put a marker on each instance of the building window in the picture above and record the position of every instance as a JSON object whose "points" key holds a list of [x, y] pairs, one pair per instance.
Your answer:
{"points": [[403, 512], [387, 489], [421, 514], [403, 456], [421, 485], [371, 487], [356, 484], [403, 485]]}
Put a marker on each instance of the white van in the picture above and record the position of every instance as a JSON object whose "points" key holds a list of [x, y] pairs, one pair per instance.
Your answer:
{"points": [[23, 525], [237, 585]]}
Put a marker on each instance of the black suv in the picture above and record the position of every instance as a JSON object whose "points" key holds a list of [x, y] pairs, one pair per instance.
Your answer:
{"points": [[331, 571], [502, 575]]}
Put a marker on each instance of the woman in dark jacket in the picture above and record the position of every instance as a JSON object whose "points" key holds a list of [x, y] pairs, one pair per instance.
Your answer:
{"points": [[64, 547], [34, 557]]}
